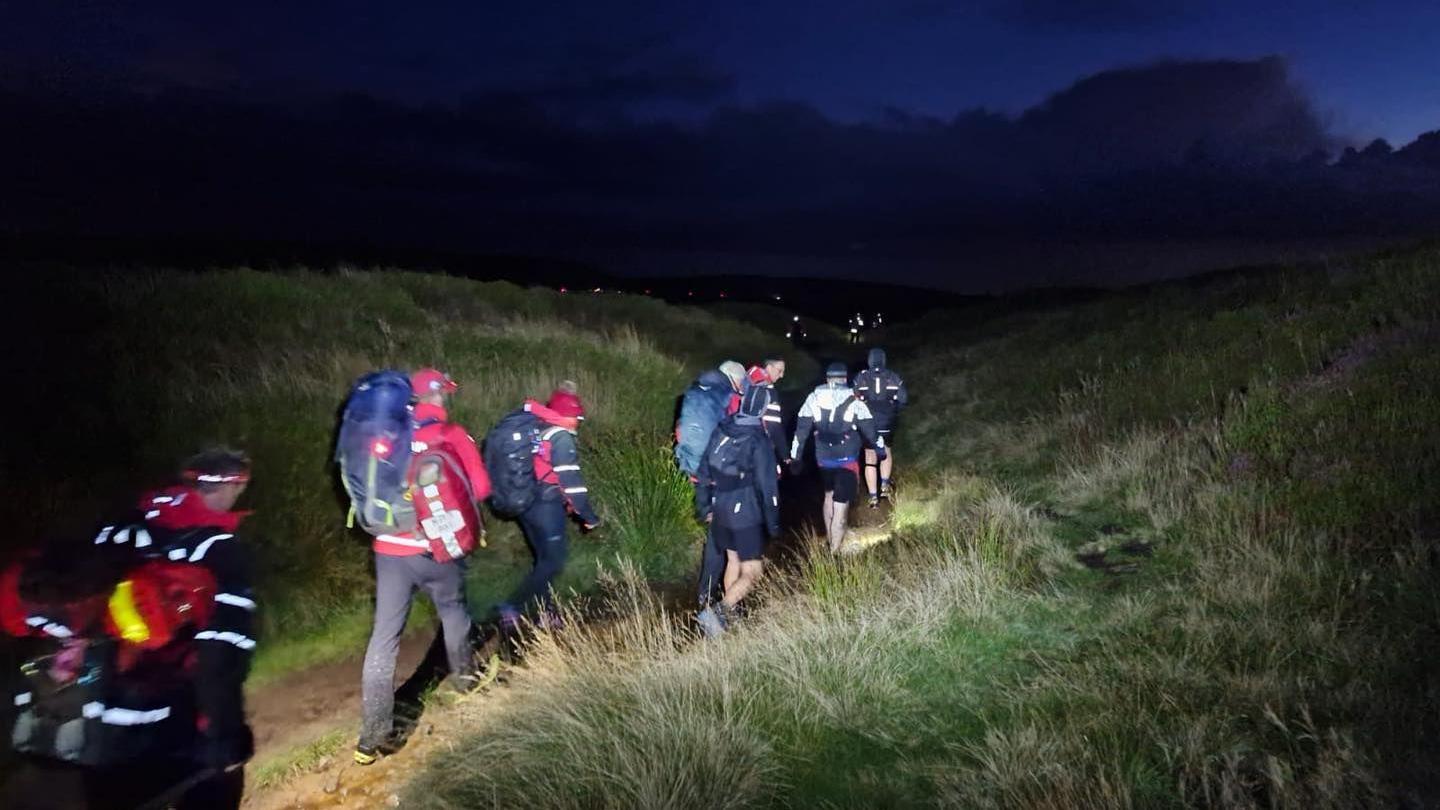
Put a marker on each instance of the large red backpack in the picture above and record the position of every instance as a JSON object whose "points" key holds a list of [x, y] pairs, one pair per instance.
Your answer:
{"points": [[121, 623], [444, 503]]}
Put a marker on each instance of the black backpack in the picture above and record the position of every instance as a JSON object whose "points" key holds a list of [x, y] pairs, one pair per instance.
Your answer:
{"points": [[730, 455], [831, 427], [510, 449]]}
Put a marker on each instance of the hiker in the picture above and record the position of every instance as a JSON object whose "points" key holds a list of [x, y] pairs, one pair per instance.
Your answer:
{"points": [[841, 423], [883, 392], [714, 395], [546, 443], [737, 494], [150, 630], [411, 559], [770, 371]]}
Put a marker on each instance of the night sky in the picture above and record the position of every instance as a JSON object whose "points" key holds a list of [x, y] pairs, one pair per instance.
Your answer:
{"points": [[973, 145]]}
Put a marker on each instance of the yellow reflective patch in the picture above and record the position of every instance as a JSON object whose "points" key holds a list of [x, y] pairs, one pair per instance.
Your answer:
{"points": [[125, 615]]}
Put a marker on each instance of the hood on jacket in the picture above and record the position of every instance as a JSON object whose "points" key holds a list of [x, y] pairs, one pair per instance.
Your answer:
{"points": [[713, 378], [877, 358], [550, 417]]}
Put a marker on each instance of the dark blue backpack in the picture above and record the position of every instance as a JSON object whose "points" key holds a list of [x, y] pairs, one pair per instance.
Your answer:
{"points": [[373, 452], [701, 411], [510, 449]]}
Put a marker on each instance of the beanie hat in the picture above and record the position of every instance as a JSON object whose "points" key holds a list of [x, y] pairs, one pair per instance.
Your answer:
{"points": [[564, 401], [836, 370]]}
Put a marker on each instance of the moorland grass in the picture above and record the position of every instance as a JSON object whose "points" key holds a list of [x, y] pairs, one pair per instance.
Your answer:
{"points": [[1248, 463]]}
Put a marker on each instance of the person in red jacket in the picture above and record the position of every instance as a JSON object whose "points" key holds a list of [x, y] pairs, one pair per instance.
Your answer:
{"points": [[562, 493], [168, 715], [765, 376], [403, 564]]}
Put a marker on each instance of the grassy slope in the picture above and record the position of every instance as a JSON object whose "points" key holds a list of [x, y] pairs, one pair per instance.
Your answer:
{"points": [[1247, 460], [140, 370]]}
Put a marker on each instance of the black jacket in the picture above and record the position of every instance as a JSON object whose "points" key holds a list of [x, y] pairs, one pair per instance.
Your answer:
{"points": [[749, 498]]}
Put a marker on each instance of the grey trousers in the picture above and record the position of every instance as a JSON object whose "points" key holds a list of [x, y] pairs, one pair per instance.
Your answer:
{"points": [[396, 579]]}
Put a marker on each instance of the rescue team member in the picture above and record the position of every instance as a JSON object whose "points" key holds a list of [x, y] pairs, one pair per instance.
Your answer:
{"points": [[737, 492], [842, 425], [764, 376], [562, 493], [712, 558], [161, 713], [403, 564], [883, 392]]}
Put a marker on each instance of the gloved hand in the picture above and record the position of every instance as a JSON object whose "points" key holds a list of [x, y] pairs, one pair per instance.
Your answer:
{"points": [[773, 529], [224, 753], [797, 466], [881, 454]]}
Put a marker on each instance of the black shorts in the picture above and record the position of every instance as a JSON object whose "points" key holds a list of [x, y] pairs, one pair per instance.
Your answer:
{"points": [[747, 543], [841, 482], [884, 423]]}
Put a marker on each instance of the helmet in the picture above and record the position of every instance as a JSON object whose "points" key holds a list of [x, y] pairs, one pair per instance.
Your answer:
{"points": [[429, 381]]}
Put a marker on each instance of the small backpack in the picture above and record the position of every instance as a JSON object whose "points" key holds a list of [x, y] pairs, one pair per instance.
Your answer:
{"points": [[373, 452], [701, 411], [445, 504], [731, 456], [831, 427], [510, 449]]}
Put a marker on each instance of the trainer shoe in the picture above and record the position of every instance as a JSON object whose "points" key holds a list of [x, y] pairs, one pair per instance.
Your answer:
{"points": [[366, 755], [885, 489], [874, 502], [710, 624]]}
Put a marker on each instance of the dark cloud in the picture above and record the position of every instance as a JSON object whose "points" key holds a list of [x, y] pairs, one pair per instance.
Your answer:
{"points": [[1175, 150]]}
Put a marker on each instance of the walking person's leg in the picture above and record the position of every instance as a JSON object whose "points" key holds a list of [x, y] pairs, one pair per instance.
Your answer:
{"points": [[444, 583], [393, 587], [744, 555], [544, 527], [712, 569], [871, 484]]}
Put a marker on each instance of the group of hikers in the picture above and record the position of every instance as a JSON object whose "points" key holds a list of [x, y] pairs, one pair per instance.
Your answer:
{"points": [[730, 439], [133, 696]]}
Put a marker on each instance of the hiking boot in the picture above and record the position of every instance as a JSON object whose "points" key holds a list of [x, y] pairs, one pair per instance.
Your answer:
{"points": [[366, 755], [551, 620], [710, 624], [509, 620]]}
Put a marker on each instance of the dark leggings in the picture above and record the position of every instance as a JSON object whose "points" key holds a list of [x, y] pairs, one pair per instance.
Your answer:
{"points": [[544, 527]]}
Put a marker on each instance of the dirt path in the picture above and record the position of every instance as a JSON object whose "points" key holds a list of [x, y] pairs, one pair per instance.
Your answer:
{"points": [[299, 707]]}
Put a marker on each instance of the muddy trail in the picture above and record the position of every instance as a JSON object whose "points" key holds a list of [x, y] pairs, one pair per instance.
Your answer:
{"points": [[305, 723]]}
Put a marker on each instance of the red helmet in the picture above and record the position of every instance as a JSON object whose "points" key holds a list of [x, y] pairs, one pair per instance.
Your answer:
{"points": [[566, 403], [429, 381]]}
